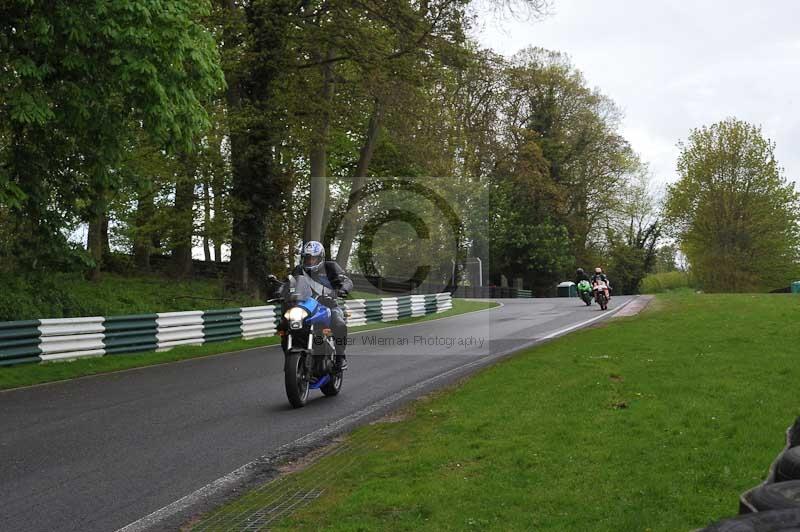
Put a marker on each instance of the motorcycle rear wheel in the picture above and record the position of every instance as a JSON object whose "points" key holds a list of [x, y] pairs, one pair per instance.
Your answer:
{"points": [[296, 383]]}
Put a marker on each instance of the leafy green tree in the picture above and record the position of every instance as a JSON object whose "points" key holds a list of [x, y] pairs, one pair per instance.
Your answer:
{"points": [[634, 230], [527, 239], [375, 48], [735, 214], [547, 100], [631, 257], [254, 42], [77, 77], [666, 259]]}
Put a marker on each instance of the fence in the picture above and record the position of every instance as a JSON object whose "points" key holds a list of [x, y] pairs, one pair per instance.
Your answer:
{"points": [[71, 338]]}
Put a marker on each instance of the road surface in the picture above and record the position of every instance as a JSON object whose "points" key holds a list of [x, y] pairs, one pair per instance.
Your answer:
{"points": [[99, 453]]}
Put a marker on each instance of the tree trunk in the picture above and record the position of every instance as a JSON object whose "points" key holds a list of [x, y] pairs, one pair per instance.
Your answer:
{"points": [[258, 184], [105, 242], [316, 208], [95, 237], [350, 223], [143, 240], [184, 219], [94, 242], [319, 157], [206, 220], [218, 186], [238, 272]]}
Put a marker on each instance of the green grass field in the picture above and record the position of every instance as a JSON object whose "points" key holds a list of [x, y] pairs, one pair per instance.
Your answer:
{"points": [[651, 423], [29, 374]]}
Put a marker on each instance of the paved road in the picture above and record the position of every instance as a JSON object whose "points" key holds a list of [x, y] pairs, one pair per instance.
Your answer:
{"points": [[98, 453]]}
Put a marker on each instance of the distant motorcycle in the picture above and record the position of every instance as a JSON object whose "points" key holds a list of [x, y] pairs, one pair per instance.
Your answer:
{"points": [[585, 291], [309, 346], [601, 289]]}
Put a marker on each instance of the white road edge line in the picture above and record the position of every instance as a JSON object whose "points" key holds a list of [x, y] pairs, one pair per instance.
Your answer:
{"points": [[587, 322], [233, 477]]}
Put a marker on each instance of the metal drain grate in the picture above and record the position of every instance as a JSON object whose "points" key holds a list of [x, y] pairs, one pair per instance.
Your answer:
{"points": [[261, 519], [269, 504]]}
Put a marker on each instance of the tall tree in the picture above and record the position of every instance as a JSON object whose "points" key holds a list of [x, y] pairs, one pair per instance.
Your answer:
{"points": [[255, 52], [633, 233], [371, 45], [81, 75], [182, 229], [737, 217], [527, 239]]}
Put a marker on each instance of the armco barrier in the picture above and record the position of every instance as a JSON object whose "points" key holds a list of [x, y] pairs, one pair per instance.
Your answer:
{"points": [[76, 338], [131, 334], [71, 338], [19, 342]]}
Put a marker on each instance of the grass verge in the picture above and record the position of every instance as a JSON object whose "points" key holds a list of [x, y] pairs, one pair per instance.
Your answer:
{"points": [[651, 423], [67, 295], [70, 295], [27, 375]]}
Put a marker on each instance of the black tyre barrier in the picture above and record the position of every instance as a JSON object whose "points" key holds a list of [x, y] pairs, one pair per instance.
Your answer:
{"points": [[788, 467], [793, 437], [776, 496], [774, 521], [746, 505]]}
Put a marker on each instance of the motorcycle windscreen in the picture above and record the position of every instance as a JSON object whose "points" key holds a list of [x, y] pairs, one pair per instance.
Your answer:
{"points": [[299, 286]]}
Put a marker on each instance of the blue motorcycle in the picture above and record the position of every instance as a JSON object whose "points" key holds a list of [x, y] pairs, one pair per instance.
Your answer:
{"points": [[308, 344]]}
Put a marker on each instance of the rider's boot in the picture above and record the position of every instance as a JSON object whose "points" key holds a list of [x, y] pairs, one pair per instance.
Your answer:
{"points": [[340, 361], [340, 364]]}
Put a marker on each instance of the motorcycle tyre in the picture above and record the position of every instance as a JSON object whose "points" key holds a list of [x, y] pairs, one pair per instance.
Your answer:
{"points": [[297, 395], [788, 467], [776, 496], [772, 521]]}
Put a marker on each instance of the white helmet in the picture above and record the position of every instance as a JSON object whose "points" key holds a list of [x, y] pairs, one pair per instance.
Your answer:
{"points": [[313, 256]]}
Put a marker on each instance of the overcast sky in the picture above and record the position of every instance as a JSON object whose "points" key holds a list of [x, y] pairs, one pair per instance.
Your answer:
{"points": [[675, 65]]}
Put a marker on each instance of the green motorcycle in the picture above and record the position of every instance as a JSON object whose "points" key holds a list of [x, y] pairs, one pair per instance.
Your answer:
{"points": [[585, 292]]}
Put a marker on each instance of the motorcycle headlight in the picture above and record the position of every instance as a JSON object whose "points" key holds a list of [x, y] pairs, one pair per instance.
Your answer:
{"points": [[296, 314]]}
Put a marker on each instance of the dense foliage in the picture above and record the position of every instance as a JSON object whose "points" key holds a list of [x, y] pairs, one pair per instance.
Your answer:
{"points": [[241, 127], [78, 79], [737, 217]]}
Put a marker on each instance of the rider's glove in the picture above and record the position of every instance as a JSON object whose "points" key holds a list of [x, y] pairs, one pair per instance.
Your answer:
{"points": [[327, 301], [342, 292]]}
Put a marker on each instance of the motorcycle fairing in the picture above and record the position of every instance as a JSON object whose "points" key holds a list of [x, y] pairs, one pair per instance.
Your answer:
{"points": [[316, 313]]}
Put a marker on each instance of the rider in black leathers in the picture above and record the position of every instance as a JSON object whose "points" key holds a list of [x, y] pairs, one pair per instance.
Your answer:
{"points": [[581, 275], [331, 282]]}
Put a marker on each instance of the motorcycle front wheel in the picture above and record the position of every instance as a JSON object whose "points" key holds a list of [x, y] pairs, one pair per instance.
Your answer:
{"points": [[296, 381], [333, 386]]}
